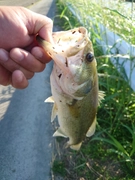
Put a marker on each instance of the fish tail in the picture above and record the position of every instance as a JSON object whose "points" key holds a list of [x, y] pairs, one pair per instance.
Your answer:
{"points": [[76, 146]]}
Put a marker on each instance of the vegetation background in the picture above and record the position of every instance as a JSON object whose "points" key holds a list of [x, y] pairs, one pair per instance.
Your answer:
{"points": [[110, 153]]}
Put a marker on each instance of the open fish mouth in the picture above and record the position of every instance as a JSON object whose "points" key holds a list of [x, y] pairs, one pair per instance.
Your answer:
{"points": [[66, 44]]}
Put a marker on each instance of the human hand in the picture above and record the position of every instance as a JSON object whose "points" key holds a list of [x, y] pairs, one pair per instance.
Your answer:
{"points": [[20, 56]]}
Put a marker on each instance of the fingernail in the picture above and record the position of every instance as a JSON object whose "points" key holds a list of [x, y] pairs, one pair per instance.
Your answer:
{"points": [[17, 55], [3, 55]]}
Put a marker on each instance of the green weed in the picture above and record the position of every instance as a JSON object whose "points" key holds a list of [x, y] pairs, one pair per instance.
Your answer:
{"points": [[59, 168], [110, 153]]}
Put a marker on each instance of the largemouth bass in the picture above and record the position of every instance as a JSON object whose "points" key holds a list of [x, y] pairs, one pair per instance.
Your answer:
{"points": [[74, 84]]}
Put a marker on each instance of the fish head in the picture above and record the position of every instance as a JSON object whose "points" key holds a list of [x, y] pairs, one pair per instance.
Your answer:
{"points": [[73, 56]]}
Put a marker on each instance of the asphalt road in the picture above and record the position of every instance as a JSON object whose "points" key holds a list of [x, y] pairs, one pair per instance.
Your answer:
{"points": [[25, 3], [25, 127]]}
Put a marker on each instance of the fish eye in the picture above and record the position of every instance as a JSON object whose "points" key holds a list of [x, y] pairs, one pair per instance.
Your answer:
{"points": [[90, 57]]}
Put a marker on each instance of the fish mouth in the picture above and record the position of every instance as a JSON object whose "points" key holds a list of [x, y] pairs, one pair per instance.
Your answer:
{"points": [[66, 44]]}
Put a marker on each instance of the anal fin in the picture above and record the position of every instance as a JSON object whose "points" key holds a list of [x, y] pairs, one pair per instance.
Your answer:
{"points": [[59, 132]]}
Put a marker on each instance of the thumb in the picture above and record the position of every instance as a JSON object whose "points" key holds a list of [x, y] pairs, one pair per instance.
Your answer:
{"points": [[43, 26]]}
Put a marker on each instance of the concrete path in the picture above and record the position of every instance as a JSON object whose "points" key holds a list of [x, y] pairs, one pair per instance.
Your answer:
{"points": [[25, 127]]}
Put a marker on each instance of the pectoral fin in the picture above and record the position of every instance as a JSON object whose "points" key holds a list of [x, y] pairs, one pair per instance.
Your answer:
{"points": [[92, 128], [49, 99]]}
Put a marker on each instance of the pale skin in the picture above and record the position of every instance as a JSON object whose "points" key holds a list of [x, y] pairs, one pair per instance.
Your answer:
{"points": [[20, 55]]}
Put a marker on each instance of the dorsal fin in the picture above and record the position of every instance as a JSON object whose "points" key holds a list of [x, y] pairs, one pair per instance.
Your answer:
{"points": [[101, 95]]}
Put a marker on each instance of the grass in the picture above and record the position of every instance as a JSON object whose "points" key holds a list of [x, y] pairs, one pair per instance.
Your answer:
{"points": [[113, 15], [110, 153]]}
